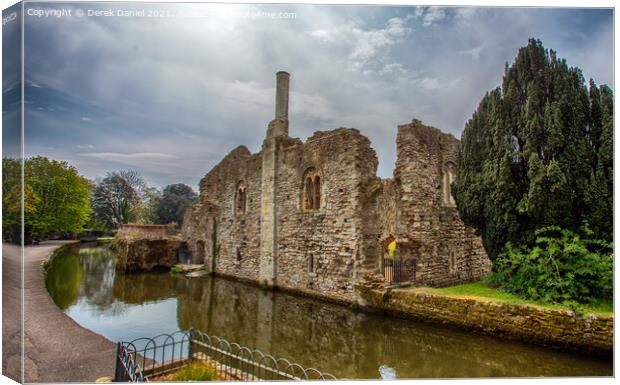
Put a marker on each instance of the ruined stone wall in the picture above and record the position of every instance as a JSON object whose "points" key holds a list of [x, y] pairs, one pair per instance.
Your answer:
{"points": [[428, 229], [145, 254], [235, 246], [560, 328], [326, 251], [146, 231], [198, 232], [331, 236]]}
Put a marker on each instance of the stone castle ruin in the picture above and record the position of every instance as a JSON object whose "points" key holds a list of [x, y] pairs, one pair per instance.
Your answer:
{"points": [[313, 216]]}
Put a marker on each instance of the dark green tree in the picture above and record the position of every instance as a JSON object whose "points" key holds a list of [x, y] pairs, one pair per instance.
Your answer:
{"points": [[537, 152], [174, 200]]}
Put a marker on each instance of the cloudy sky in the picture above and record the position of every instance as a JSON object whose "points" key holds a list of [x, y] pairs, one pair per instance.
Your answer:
{"points": [[171, 96]]}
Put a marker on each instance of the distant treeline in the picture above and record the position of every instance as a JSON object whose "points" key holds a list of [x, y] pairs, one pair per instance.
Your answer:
{"points": [[59, 201]]}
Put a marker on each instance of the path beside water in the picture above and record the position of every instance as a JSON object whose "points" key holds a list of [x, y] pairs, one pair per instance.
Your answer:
{"points": [[57, 349]]}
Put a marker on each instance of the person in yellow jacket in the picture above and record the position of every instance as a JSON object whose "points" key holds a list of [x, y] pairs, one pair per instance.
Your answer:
{"points": [[392, 248]]}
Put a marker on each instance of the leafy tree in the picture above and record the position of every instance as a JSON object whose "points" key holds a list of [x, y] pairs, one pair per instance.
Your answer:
{"points": [[11, 200], [56, 198], [117, 198], [537, 152], [174, 200], [62, 196]]}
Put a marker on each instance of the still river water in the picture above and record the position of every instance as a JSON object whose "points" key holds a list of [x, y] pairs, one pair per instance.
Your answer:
{"points": [[332, 338]]}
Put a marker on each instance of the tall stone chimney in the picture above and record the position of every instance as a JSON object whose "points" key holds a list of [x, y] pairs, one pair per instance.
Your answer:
{"points": [[282, 87], [279, 125], [277, 133]]}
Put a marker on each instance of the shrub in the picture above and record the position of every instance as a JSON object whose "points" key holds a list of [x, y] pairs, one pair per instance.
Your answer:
{"points": [[562, 267], [195, 372]]}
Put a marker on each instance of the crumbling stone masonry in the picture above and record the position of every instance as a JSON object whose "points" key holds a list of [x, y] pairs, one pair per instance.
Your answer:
{"points": [[314, 217], [146, 231]]}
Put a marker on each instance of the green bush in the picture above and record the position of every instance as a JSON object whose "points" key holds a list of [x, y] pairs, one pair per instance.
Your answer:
{"points": [[562, 267], [195, 372]]}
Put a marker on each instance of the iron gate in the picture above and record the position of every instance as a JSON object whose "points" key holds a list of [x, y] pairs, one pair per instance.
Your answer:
{"points": [[392, 270]]}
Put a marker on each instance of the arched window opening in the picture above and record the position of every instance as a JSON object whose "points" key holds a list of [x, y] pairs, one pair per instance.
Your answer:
{"points": [[449, 176], [240, 199], [308, 194], [317, 192], [311, 194]]}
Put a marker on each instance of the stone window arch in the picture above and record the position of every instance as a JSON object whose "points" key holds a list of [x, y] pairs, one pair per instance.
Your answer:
{"points": [[311, 193], [449, 176], [240, 198]]}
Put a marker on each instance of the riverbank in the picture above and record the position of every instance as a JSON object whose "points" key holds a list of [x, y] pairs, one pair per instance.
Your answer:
{"points": [[563, 329], [56, 348]]}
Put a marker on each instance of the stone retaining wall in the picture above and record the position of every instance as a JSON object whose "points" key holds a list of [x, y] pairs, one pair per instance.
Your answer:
{"points": [[555, 328], [146, 231], [146, 254]]}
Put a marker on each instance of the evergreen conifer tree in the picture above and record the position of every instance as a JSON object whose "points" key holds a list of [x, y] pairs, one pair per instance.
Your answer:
{"points": [[537, 152]]}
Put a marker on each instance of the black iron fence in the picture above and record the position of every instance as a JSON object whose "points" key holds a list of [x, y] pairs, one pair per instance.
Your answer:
{"points": [[145, 358], [392, 270]]}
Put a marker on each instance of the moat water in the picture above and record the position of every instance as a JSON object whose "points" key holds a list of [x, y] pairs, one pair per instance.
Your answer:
{"points": [[350, 344]]}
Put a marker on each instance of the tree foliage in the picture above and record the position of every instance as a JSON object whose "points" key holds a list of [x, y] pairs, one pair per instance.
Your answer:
{"points": [[563, 266], [174, 200], [147, 212], [56, 198], [117, 198], [11, 200], [537, 152]]}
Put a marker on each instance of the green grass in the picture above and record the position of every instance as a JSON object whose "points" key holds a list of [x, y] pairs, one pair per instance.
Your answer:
{"points": [[194, 372], [479, 290], [176, 270]]}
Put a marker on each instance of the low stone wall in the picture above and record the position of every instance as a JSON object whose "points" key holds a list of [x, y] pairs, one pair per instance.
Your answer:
{"points": [[146, 231], [145, 254], [555, 328]]}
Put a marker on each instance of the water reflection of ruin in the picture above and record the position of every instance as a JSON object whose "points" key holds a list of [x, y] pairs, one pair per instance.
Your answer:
{"points": [[353, 344], [313, 333]]}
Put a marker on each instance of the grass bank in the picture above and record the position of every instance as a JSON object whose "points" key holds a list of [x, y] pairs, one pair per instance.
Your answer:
{"points": [[480, 291]]}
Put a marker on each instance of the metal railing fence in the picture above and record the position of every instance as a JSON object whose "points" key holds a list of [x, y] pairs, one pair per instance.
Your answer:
{"points": [[144, 358]]}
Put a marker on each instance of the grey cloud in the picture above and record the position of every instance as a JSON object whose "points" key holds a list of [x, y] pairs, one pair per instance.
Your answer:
{"points": [[139, 156], [431, 15], [196, 89]]}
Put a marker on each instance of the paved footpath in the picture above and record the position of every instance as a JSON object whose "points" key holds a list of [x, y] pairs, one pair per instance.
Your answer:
{"points": [[56, 348]]}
